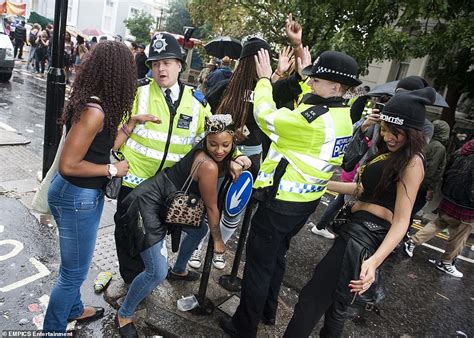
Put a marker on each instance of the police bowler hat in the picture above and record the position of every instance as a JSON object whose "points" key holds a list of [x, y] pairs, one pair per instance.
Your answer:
{"points": [[334, 66], [164, 46]]}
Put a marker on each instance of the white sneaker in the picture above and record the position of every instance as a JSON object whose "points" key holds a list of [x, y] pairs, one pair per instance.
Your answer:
{"points": [[409, 247], [195, 260], [449, 268], [219, 261], [324, 232]]}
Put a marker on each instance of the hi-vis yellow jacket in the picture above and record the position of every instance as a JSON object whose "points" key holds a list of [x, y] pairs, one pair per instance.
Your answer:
{"points": [[312, 138], [154, 146]]}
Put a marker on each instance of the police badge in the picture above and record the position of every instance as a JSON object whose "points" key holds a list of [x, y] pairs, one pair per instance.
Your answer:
{"points": [[159, 44]]}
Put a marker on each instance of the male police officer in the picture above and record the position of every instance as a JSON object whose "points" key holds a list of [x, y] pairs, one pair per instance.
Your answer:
{"points": [[307, 145], [167, 118]]}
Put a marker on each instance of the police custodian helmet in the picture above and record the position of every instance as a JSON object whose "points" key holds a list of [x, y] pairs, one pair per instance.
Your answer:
{"points": [[334, 66], [164, 46]]}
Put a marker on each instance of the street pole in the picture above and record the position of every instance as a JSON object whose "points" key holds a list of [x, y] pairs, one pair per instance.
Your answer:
{"points": [[56, 87]]}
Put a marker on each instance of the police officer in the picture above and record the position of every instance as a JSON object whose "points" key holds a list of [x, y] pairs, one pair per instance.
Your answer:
{"points": [[307, 145], [167, 119]]}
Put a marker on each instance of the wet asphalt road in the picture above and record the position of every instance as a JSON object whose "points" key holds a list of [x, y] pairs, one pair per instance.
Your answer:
{"points": [[420, 301]]}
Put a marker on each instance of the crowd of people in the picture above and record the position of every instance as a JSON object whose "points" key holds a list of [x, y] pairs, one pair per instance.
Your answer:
{"points": [[40, 40], [291, 128]]}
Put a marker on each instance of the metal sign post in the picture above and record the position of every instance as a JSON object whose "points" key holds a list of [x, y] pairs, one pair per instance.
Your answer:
{"points": [[237, 198], [232, 282], [205, 305], [56, 87]]}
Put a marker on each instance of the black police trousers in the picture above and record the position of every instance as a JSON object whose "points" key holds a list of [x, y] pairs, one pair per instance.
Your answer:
{"points": [[129, 266], [267, 244], [317, 298]]}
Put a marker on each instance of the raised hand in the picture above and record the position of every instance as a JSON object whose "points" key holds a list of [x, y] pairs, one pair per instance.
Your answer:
{"points": [[293, 31], [284, 60], [303, 61], [262, 61]]}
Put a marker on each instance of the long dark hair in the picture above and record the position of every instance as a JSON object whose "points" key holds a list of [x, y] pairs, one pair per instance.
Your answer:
{"points": [[398, 161], [109, 73], [235, 99]]}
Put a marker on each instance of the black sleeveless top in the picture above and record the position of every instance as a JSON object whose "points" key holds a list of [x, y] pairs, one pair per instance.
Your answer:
{"points": [[98, 153], [370, 178], [179, 172]]}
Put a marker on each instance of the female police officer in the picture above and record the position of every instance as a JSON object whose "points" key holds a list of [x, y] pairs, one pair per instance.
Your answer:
{"points": [[307, 145]]}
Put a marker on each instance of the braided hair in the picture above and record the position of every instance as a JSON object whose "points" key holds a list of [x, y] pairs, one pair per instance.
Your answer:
{"points": [[236, 97]]}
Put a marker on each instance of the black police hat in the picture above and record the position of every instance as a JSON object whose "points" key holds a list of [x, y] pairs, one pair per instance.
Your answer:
{"points": [[251, 45], [334, 66], [164, 46]]}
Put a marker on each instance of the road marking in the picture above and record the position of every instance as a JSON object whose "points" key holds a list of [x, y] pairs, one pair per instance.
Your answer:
{"points": [[6, 127], [469, 260], [42, 272], [18, 246], [2, 228]]}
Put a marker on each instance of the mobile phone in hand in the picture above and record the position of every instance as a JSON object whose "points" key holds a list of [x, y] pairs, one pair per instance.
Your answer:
{"points": [[379, 106]]}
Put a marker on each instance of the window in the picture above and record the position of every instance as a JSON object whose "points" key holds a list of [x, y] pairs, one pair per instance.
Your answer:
{"points": [[402, 70]]}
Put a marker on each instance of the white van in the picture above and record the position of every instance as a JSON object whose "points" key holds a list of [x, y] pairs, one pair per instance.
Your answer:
{"points": [[7, 61]]}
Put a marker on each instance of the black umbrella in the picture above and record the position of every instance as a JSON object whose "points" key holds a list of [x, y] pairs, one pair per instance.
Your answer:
{"points": [[224, 46], [389, 89]]}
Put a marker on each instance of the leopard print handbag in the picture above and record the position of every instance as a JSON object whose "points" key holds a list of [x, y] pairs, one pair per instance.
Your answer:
{"points": [[184, 208]]}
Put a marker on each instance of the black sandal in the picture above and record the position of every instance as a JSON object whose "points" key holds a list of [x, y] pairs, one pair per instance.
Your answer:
{"points": [[99, 313], [129, 330], [191, 276]]}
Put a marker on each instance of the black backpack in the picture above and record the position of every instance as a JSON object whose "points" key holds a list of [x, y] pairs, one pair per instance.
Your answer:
{"points": [[458, 179]]}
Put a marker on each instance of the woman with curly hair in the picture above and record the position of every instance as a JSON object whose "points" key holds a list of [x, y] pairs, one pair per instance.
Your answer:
{"points": [[102, 97], [386, 191]]}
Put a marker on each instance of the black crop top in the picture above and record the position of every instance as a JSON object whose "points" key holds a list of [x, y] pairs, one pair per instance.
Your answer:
{"points": [[98, 153], [370, 178]]}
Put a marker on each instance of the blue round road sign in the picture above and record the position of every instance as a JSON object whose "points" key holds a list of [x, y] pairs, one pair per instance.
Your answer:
{"points": [[239, 194]]}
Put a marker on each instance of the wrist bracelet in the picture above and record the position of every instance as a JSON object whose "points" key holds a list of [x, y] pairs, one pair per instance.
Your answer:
{"points": [[125, 130], [264, 77], [275, 72]]}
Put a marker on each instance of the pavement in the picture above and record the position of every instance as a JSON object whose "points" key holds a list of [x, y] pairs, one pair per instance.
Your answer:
{"points": [[421, 300]]}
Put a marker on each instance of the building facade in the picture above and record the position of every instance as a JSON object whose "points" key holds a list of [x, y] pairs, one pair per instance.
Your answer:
{"points": [[105, 16]]}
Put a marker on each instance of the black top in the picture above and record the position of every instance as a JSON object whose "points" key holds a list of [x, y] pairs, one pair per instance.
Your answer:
{"points": [[214, 99], [142, 69], [370, 178], [179, 172], [98, 153]]}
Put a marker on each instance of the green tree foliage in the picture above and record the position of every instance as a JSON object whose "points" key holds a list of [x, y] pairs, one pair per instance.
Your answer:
{"points": [[369, 30], [139, 26], [178, 17]]}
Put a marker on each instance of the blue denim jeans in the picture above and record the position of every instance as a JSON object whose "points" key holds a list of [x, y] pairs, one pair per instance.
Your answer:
{"points": [[155, 259], [77, 213]]}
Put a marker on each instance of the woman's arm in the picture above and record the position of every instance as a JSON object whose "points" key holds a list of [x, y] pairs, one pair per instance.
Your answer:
{"points": [[77, 143], [406, 194], [127, 128], [207, 182], [346, 188]]}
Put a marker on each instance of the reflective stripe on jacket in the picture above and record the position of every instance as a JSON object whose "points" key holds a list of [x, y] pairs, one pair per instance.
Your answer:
{"points": [[313, 149], [152, 146]]}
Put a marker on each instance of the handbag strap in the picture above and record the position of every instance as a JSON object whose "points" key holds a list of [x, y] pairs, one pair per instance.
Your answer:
{"points": [[189, 179]]}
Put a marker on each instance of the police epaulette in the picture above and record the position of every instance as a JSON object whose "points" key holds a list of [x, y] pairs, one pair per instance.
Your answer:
{"points": [[198, 95], [313, 112], [143, 82]]}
